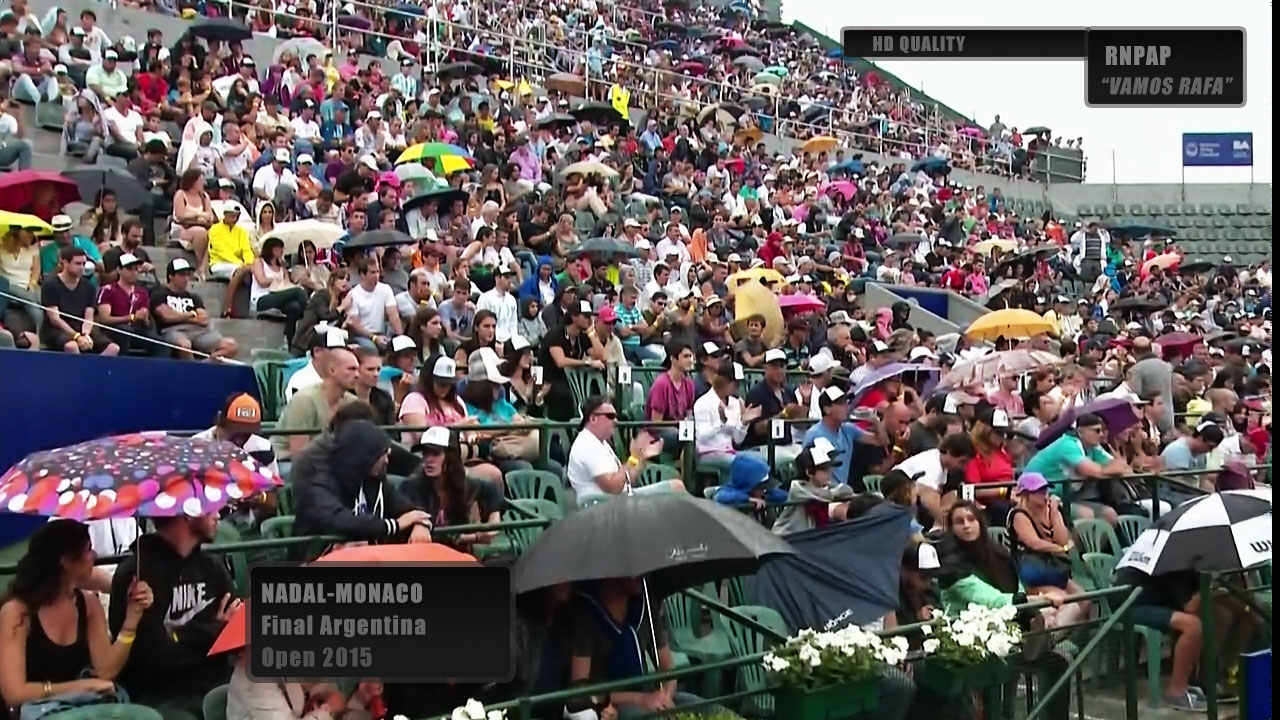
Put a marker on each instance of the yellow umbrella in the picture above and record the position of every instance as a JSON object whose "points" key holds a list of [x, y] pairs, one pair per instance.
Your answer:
{"points": [[1012, 324], [748, 136], [764, 275], [447, 165], [986, 246], [756, 299], [21, 221], [503, 84], [822, 143]]}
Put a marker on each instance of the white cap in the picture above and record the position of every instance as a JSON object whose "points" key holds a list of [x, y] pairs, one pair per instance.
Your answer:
{"points": [[643, 244], [400, 343], [999, 419], [282, 155], [129, 259], [820, 454], [879, 346], [921, 351], [833, 393], [714, 300], [630, 222], [437, 436], [483, 366], [927, 557], [369, 162], [61, 223], [840, 317], [335, 338], [373, 115], [60, 69], [179, 265], [305, 159], [775, 355], [1227, 259], [584, 306], [710, 348], [739, 373], [821, 363], [445, 368], [950, 406], [734, 258], [110, 55], [518, 343]]}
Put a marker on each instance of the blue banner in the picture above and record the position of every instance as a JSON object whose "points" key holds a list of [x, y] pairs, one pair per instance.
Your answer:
{"points": [[1217, 149]]}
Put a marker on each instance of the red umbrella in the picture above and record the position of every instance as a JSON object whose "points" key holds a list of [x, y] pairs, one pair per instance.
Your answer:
{"points": [[18, 189], [844, 187], [800, 303], [1177, 344]]}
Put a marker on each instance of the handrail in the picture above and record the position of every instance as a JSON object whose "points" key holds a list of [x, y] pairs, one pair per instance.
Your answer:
{"points": [[734, 615], [1065, 679]]}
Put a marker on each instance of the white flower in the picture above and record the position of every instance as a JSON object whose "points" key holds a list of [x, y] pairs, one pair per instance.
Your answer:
{"points": [[497, 715], [810, 655], [776, 664], [460, 714], [399, 717], [900, 643], [474, 709], [926, 629], [931, 645]]}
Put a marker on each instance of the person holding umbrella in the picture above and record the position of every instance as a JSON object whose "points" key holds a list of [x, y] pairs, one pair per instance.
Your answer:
{"points": [[170, 669], [44, 609]]}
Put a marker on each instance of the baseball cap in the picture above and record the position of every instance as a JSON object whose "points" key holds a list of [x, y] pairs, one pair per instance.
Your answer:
{"points": [[282, 155], [60, 69], [921, 351], [1031, 482], [129, 260], [305, 159], [110, 55], [879, 346], [630, 222], [584, 307], [830, 395], [242, 413], [608, 314], [226, 183], [734, 258], [437, 437], [483, 365], [178, 266], [518, 343], [815, 456], [999, 419], [775, 356], [368, 161], [400, 343], [643, 244], [923, 557], [821, 363], [231, 208], [374, 115], [840, 317], [444, 369], [709, 349], [61, 223]]}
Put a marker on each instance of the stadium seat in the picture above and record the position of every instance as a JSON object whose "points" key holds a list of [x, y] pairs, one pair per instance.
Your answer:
{"points": [[1131, 526], [536, 485], [871, 483], [215, 704], [1244, 209], [1262, 210], [744, 641], [1155, 210], [656, 472], [1172, 209], [1238, 220], [1102, 211], [999, 534], [1096, 536], [1137, 209], [522, 538], [237, 562], [1118, 209], [585, 383], [1207, 209], [684, 618], [1084, 210], [1188, 209]]}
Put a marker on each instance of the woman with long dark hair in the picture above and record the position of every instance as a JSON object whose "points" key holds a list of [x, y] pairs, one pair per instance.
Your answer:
{"points": [[53, 636], [484, 333], [435, 401], [273, 290], [526, 396], [427, 330], [442, 488], [322, 307]]}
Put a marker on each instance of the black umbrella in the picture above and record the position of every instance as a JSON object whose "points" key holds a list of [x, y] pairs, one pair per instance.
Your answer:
{"points": [[557, 120], [904, 240], [1138, 304], [597, 113], [95, 178], [378, 238], [1222, 531], [670, 28], [674, 540], [458, 70], [444, 197], [222, 29], [605, 246]]}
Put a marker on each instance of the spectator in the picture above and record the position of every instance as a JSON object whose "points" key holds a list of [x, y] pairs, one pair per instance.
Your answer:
{"points": [[721, 421], [932, 469], [1041, 411], [50, 253], [435, 402], [36, 670], [1171, 603], [835, 430], [1191, 452], [1079, 454], [271, 288], [371, 306], [170, 668], [991, 461], [594, 468], [342, 489], [1041, 545], [415, 297], [311, 408], [367, 390], [181, 317], [125, 309], [192, 218], [449, 494], [14, 147], [815, 499], [502, 304], [124, 127], [564, 348], [69, 302]]}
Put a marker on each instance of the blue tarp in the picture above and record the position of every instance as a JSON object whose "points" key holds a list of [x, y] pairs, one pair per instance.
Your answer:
{"points": [[841, 574]]}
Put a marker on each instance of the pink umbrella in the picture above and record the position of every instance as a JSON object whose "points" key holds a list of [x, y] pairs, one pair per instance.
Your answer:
{"points": [[691, 68], [800, 303], [972, 131], [844, 187], [730, 43]]}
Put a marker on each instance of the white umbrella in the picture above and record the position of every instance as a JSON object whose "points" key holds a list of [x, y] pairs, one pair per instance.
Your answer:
{"points": [[299, 48], [323, 234], [1228, 530]]}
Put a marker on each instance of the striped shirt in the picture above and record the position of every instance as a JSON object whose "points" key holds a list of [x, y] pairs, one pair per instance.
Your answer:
{"points": [[629, 317]]}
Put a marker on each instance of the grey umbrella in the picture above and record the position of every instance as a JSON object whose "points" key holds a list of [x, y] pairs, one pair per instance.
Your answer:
{"points": [[94, 179], [378, 238], [605, 246], [750, 62], [674, 540]]}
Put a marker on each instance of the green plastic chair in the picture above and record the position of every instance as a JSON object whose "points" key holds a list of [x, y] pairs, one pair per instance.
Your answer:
{"points": [[270, 377], [735, 590], [284, 499], [215, 704], [745, 641], [999, 535], [590, 500], [1131, 526], [1097, 536], [656, 472], [1101, 567], [522, 538], [872, 483], [116, 711], [269, 355], [536, 485], [277, 528], [684, 620], [227, 533], [585, 383]]}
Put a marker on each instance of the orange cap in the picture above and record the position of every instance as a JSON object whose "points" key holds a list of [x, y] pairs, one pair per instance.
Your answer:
{"points": [[243, 410]]}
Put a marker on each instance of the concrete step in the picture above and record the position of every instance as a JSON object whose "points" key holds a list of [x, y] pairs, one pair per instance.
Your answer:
{"points": [[251, 334]]}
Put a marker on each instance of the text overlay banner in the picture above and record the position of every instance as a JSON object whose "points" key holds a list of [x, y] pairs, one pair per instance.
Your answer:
{"points": [[1172, 67], [964, 43]]}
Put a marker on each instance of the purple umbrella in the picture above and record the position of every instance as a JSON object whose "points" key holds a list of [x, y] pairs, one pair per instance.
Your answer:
{"points": [[1117, 414], [888, 371]]}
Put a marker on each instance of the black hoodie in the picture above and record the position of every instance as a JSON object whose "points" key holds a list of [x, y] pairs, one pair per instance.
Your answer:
{"points": [[331, 475], [169, 657]]}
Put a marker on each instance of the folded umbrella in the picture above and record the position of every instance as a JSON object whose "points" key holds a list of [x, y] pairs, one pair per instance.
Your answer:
{"points": [[674, 540], [1218, 532]]}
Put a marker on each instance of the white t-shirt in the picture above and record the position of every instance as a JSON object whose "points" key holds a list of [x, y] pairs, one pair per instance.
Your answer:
{"points": [[8, 125], [503, 306], [125, 125], [305, 378], [589, 458], [304, 130], [370, 307], [928, 462]]}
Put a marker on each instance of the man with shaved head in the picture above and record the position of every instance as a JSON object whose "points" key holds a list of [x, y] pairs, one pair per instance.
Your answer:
{"points": [[1153, 375]]}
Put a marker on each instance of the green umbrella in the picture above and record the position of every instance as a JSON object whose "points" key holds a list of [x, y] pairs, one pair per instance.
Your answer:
{"points": [[777, 70], [605, 246], [767, 78]]}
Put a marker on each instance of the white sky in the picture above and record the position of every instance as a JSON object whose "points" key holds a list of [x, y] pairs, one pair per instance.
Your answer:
{"points": [[1146, 142]]}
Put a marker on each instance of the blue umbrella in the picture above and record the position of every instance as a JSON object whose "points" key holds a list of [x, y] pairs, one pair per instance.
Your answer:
{"points": [[835, 53], [405, 8], [671, 45], [852, 167], [891, 370], [931, 165], [814, 589]]}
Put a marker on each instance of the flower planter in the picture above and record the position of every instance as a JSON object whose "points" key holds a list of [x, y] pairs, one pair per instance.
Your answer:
{"points": [[948, 680], [833, 702]]}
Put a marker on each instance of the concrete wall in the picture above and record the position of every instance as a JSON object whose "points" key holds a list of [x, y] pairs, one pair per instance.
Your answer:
{"points": [[877, 296]]}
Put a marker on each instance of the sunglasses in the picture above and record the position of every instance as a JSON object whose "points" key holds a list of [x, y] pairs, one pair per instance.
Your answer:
{"points": [[611, 415]]}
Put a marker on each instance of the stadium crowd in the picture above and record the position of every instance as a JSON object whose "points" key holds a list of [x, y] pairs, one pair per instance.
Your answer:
{"points": [[450, 246]]}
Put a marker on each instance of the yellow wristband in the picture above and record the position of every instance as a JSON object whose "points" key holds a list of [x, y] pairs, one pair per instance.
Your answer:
{"points": [[76, 336], [633, 461], [127, 637]]}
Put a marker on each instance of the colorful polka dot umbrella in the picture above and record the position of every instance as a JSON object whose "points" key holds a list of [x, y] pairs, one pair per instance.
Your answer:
{"points": [[148, 474]]}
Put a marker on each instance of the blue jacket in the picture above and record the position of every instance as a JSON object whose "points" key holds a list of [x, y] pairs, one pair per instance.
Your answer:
{"points": [[747, 474], [529, 288]]}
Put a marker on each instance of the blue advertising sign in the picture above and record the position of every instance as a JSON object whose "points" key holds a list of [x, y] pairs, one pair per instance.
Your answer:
{"points": [[1215, 149]]}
